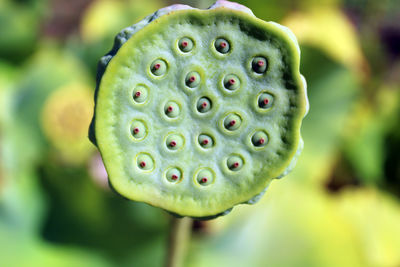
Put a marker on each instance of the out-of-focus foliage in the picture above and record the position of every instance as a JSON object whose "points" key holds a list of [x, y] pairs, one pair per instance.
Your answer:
{"points": [[65, 116], [335, 35], [20, 25], [339, 207], [47, 70], [102, 20], [300, 226]]}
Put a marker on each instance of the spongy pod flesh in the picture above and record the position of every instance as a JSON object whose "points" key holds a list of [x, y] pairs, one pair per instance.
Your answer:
{"points": [[197, 111]]}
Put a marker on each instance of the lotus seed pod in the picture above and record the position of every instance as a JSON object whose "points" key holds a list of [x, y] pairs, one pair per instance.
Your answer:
{"points": [[224, 141]]}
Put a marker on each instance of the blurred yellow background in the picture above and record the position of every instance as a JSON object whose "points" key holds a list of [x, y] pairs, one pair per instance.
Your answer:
{"points": [[339, 207]]}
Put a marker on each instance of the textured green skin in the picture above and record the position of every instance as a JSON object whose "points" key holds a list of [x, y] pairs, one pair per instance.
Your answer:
{"points": [[248, 37]]}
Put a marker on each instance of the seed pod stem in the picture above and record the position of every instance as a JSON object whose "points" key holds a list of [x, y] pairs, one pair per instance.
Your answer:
{"points": [[179, 235]]}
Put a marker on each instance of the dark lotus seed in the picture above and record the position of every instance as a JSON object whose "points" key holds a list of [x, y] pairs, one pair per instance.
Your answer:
{"points": [[265, 100], [140, 94], [138, 129], [145, 162], [172, 109], [185, 44], [205, 141], [231, 82], [173, 175], [192, 79], [205, 177], [222, 45], [259, 139], [232, 122], [158, 67], [259, 64], [234, 163], [174, 141], [204, 104]]}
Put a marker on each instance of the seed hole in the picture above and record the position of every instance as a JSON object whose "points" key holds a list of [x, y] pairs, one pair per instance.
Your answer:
{"points": [[222, 45], [204, 104], [234, 162], [205, 141], [172, 109], [259, 139], [158, 67], [139, 130], [185, 44], [265, 101], [232, 122], [145, 162], [173, 175], [192, 79], [205, 177], [174, 141], [231, 82], [259, 64], [140, 94]]}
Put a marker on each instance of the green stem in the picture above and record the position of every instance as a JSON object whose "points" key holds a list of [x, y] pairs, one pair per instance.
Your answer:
{"points": [[179, 236]]}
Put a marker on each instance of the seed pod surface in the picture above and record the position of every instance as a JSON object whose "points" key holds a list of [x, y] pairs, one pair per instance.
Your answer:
{"points": [[220, 114]]}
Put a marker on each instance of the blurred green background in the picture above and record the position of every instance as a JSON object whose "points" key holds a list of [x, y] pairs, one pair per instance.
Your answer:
{"points": [[339, 207]]}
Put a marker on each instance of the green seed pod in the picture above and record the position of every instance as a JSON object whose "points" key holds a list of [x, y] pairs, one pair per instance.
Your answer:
{"points": [[252, 110]]}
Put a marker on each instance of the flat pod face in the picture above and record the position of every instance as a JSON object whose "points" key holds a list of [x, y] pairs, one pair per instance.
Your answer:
{"points": [[222, 113]]}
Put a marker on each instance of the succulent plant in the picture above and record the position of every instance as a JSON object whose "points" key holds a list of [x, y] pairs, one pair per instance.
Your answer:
{"points": [[199, 110]]}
